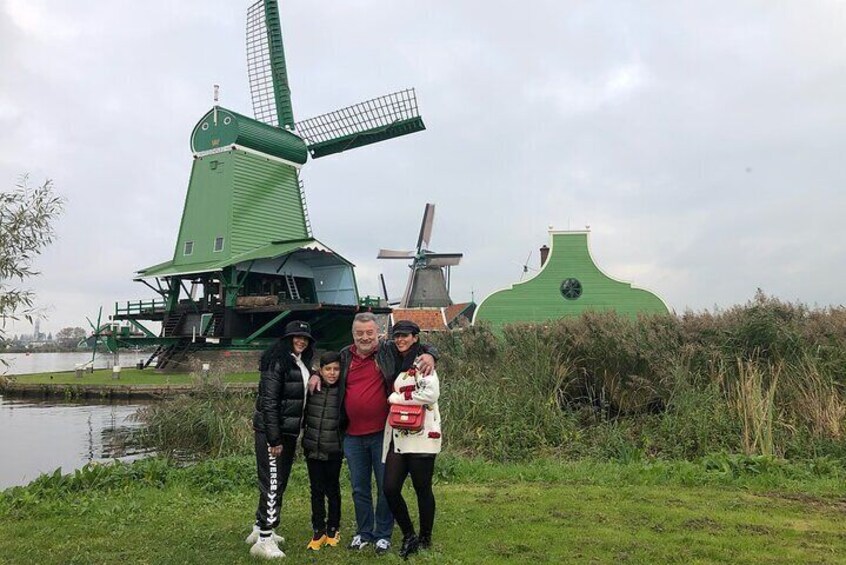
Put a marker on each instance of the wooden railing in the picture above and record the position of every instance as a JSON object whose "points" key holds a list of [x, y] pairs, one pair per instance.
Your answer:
{"points": [[140, 306]]}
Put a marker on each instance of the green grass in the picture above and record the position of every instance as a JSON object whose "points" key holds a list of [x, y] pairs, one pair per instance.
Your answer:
{"points": [[127, 377], [545, 511]]}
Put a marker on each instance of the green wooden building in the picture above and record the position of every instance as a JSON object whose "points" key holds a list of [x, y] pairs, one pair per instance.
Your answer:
{"points": [[569, 283], [245, 260]]}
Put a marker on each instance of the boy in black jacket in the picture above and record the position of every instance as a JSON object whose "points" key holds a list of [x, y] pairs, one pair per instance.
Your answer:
{"points": [[322, 445]]}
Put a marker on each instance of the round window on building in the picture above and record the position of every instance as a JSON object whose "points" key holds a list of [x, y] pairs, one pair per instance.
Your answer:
{"points": [[571, 289]]}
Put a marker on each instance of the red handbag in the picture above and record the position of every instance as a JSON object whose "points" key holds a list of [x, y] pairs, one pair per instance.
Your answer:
{"points": [[406, 417]]}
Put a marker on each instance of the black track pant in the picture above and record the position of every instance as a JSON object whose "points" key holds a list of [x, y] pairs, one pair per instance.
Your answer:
{"points": [[273, 473], [324, 479], [421, 469]]}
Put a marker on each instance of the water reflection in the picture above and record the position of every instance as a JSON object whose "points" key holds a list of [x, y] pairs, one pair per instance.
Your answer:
{"points": [[37, 437]]}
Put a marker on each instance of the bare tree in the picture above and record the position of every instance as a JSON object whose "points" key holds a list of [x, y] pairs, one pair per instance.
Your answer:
{"points": [[26, 229]]}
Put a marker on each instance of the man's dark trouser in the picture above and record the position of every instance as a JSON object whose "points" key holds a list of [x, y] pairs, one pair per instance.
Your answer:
{"points": [[273, 473], [364, 459], [324, 479]]}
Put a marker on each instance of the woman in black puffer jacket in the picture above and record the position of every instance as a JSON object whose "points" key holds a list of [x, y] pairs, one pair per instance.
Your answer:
{"points": [[285, 370]]}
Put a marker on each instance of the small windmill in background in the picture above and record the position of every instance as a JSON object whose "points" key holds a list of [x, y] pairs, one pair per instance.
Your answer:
{"points": [[526, 268], [428, 282]]}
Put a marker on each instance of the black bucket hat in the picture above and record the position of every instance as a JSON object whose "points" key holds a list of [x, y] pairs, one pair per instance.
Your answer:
{"points": [[405, 327], [298, 328]]}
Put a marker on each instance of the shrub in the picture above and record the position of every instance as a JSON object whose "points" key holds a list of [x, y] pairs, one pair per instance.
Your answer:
{"points": [[212, 421]]}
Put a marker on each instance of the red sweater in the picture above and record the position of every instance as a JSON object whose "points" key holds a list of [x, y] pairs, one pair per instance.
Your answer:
{"points": [[365, 400]]}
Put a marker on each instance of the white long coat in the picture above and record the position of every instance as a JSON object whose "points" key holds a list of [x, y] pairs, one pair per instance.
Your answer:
{"points": [[426, 392]]}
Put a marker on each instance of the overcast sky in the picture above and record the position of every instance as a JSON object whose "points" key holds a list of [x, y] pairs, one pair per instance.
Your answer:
{"points": [[702, 142]]}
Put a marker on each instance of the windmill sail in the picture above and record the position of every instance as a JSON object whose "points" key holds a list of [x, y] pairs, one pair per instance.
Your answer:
{"points": [[426, 228], [361, 124], [427, 285], [266, 68]]}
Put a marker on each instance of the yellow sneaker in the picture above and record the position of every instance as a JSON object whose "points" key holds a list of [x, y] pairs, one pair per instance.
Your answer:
{"points": [[333, 537], [318, 541]]}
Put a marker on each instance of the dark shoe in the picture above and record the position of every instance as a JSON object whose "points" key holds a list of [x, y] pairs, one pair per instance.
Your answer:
{"points": [[424, 541], [410, 545]]}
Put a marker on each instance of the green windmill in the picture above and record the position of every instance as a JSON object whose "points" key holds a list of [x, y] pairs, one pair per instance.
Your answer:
{"points": [[245, 261]]}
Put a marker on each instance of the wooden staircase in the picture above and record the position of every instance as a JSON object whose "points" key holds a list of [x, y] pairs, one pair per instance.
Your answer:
{"points": [[175, 353]]}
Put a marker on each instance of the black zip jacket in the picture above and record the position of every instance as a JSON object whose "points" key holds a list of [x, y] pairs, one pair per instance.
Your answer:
{"points": [[280, 401], [322, 424]]}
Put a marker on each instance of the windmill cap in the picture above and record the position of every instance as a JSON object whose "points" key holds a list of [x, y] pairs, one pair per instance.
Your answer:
{"points": [[301, 329], [405, 327]]}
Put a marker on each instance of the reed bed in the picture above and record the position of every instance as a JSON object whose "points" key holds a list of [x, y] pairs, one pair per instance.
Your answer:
{"points": [[767, 378]]}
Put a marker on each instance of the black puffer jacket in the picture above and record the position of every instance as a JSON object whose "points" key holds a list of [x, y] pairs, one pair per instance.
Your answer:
{"points": [[322, 424], [280, 400]]}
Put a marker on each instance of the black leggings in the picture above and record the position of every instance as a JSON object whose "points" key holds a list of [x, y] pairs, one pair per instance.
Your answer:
{"points": [[421, 469]]}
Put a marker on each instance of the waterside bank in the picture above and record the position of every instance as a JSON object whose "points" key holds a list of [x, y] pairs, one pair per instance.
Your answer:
{"points": [[131, 384]]}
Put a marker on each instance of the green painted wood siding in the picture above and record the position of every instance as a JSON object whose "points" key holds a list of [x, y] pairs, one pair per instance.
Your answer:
{"points": [[540, 299], [206, 215], [266, 203], [247, 199]]}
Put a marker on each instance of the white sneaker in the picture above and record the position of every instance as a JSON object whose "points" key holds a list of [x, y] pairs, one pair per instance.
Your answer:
{"points": [[358, 543], [383, 546], [266, 548], [254, 536]]}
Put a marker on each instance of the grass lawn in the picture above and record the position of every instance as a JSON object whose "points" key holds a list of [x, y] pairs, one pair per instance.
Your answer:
{"points": [[551, 513], [127, 377]]}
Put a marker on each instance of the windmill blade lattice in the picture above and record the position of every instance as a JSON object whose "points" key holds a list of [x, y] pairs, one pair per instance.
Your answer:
{"points": [[361, 124], [258, 66], [266, 68]]}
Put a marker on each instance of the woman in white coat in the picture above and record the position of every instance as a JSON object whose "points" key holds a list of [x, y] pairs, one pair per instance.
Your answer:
{"points": [[412, 453]]}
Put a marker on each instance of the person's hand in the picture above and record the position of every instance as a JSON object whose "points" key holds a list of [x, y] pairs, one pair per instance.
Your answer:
{"points": [[313, 384], [275, 451], [426, 364]]}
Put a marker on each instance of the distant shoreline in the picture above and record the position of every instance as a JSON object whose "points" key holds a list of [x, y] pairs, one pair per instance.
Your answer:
{"points": [[132, 384]]}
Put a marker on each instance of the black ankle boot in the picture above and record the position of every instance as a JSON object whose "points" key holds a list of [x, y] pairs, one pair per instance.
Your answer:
{"points": [[410, 544], [424, 541]]}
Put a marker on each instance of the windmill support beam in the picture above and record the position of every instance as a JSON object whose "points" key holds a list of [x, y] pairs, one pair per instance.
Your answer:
{"points": [[233, 283], [158, 290], [264, 328], [188, 292], [172, 294], [141, 327]]}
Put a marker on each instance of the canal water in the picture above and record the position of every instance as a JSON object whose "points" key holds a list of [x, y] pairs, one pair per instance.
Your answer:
{"points": [[26, 364], [38, 437]]}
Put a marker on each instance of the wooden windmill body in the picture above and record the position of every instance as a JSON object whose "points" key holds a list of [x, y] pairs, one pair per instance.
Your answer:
{"points": [[246, 261]]}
